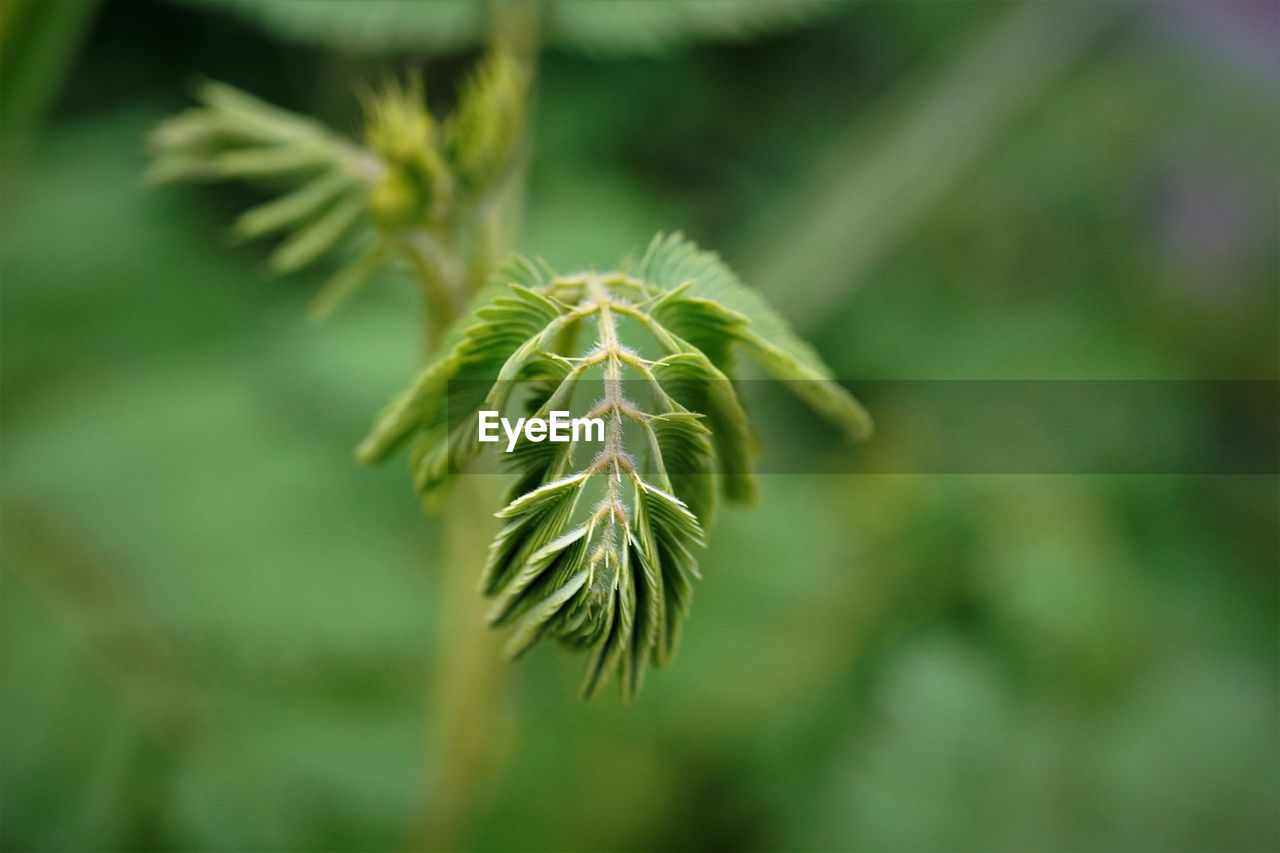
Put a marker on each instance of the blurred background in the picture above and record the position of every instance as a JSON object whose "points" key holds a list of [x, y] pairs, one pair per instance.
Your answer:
{"points": [[220, 633]]}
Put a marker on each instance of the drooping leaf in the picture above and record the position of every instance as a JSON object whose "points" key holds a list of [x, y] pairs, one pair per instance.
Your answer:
{"points": [[294, 207], [666, 531], [619, 621], [534, 520], [322, 179], [685, 445], [615, 578], [648, 619], [697, 384], [311, 242], [672, 262], [567, 551], [511, 322]]}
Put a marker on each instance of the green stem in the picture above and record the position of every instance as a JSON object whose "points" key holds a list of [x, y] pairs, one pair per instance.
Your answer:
{"points": [[437, 275], [470, 676], [486, 235]]}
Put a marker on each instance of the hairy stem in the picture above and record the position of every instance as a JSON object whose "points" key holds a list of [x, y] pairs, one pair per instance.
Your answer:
{"points": [[437, 277], [470, 677]]}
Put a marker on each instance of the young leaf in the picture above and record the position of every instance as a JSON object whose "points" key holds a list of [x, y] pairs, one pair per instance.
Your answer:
{"points": [[617, 578], [483, 134]]}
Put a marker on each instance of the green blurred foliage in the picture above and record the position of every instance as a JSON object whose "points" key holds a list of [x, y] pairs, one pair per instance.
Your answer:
{"points": [[218, 630], [599, 26]]}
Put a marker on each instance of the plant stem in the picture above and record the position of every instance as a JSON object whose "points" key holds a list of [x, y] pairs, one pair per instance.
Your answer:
{"points": [[438, 279], [470, 674]]}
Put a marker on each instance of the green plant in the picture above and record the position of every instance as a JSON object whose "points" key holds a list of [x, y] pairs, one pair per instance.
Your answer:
{"points": [[618, 578], [428, 193], [614, 577]]}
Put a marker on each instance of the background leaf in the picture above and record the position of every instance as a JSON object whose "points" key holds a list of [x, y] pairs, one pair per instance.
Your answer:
{"points": [[598, 26]]}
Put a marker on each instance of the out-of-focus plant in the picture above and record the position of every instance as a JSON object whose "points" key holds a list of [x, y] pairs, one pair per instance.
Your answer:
{"points": [[38, 43], [418, 189], [597, 26]]}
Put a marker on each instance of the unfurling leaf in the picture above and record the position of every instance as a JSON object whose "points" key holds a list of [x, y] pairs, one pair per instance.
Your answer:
{"points": [[597, 548], [417, 189]]}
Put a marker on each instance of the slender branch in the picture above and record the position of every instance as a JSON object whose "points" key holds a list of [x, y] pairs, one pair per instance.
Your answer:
{"points": [[437, 275], [470, 677]]}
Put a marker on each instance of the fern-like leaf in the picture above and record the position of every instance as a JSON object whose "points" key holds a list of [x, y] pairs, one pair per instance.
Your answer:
{"points": [[598, 545], [415, 189]]}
